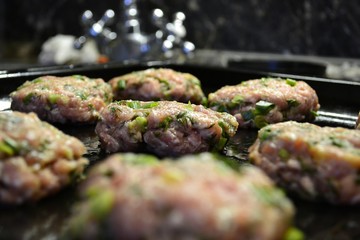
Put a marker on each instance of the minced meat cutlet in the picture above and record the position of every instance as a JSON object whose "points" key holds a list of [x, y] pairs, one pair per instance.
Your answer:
{"points": [[129, 196], [256, 103], [70, 99], [36, 159], [156, 84], [163, 127], [316, 163]]}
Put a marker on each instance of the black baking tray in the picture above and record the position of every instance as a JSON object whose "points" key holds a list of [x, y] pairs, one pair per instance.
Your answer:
{"points": [[340, 104]]}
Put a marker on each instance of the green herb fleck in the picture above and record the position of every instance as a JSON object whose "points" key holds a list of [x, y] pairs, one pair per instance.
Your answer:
{"points": [[166, 122], [270, 195], [121, 84], [265, 134], [138, 124], [294, 234], [27, 99], [37, 80], [263, 107], [283, 154], [221, 143], [101, 204], [140, 159], [314, 113], [150, 105], [81, 95], [292, 103], [80, 77], [224, 126], [337, 142], [53, 98], [236, 101], [9, 147], [260, 121], [290, 82], [133, 104]]}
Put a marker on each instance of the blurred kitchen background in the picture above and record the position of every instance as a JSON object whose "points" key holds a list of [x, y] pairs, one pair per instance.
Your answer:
{"points": [[328, 29]]}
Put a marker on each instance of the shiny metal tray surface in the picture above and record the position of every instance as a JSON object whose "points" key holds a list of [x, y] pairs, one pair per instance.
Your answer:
{"points": [[47, 219]]}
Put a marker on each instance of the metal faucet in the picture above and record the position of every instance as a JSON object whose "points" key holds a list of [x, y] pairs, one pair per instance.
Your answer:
{"points": [[96, 30], [130, 43], [172, 34]]}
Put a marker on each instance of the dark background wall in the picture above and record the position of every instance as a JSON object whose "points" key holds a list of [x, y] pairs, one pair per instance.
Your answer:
{"points": [[308, 27]]}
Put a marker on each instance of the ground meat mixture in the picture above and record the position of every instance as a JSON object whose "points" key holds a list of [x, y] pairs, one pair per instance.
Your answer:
{"points": [[164, 127], [316, 163], [357, 126], [158, 84], [257, 103], [36, 159], [131, 196], [71, 99]]}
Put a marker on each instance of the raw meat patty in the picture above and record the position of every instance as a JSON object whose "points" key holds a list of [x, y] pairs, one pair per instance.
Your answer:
{"points": [[257, 103], [316, 163], [158, 84], [131, 196], [36, 159], [164, 127], [71, 99]]}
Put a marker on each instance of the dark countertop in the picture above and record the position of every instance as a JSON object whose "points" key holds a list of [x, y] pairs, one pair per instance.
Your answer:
{"points": [[334, 68]]}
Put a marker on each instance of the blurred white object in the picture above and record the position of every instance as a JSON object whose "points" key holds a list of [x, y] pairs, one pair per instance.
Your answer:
{"points": [[60, 50]]}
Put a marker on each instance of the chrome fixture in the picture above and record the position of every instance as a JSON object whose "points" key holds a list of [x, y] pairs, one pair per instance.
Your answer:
{"points": [[129, 42], [172, 34], [96, 30]]}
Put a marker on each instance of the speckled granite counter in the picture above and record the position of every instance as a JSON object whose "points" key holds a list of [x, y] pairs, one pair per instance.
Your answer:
{"points": [[335, 68]]}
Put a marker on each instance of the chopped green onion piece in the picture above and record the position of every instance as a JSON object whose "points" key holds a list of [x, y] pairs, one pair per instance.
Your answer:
{"points": [[189, 106], [133, 104], [204, 101], [225, 128], [264, 81], [121, 84], [150, 105], [270, 195], [80, 77], [292, 103], [236, 101], [140, 159], [81, 95], [37, 80], [101, 204], [9, 147], [53, 98], [260, 121], [263, 107], [314, 113], [27, 98], [166, 122], [165, 85], [184, 119], [265, 134], [290, 82], [6, 149], [284, 154], [141, 122], [221, 144], [294, 234], [337, 142]]}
